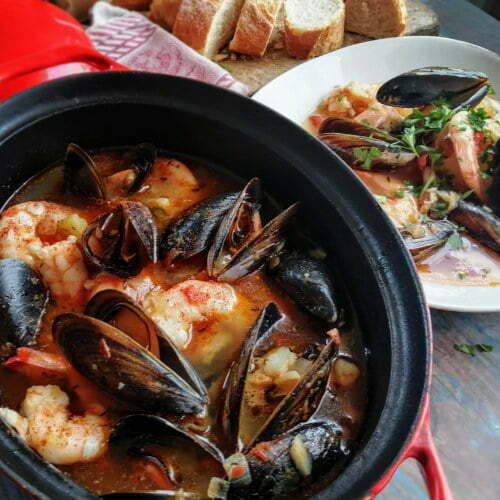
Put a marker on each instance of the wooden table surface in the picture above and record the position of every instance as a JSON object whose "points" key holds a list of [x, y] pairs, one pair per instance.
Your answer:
{"points": [[466, 390]]}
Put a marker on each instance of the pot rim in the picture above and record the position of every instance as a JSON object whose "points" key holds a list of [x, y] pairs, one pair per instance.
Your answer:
{"points": [[390, 262]]}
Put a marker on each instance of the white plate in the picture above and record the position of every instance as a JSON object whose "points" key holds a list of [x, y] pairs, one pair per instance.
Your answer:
{"points": [[297, 92]]}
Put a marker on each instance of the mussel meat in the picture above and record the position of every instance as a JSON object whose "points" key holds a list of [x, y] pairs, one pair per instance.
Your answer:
{"points": [[23, 299], [120, 311], [240, 224], [367, 153], [122, 367], [306, 280], [423, 86], [436, 235], [482, 224], [81, 176], [122, 241], [193, 232]]}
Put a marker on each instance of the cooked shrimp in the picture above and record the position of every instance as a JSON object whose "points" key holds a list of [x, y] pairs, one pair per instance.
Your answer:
{"points": [[457, 140], [45, 423], [37, 233], [176, 309]]}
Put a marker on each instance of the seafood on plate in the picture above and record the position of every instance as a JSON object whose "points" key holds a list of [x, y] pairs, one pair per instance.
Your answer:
{"points": [[161, 334], [427, 144]]}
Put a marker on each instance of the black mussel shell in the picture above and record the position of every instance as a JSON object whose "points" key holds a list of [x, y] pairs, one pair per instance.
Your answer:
{"points": [[480, 223], [152, 495], [120, 311], [493, 191], [240, 224], [81, 176], [283, 472], [385, 157], [307, 400], [307, 281], [348, 126], [122, 367], [122, 241], [437, 234], [234, 385], [136, 428], [23, 299], [141, 159], [423, 86], [193, 232], [260, 248]]}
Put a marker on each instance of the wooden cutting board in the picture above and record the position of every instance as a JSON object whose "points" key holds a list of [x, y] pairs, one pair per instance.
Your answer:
{"points": [[256, 72]]}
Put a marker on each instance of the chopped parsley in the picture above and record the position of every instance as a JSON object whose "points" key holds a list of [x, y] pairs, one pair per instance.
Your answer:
{"points": [[366, 156], [455, 242], [477, 118], [470, 349]]}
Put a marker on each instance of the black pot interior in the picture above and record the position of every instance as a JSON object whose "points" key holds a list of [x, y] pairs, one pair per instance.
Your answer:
{"points": [[186, 117]]}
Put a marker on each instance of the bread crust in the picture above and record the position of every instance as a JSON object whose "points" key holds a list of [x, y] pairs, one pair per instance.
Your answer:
{"points": [[255, 26], [193, 22], [164, 12], [305, 44], [376, 18], [133, 4]]}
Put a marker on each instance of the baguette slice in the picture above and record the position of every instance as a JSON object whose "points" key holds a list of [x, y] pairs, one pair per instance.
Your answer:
{"points": [[255, 26], [376, 18], [132, 4], [207, 25], [164, 12], [313, 27]]}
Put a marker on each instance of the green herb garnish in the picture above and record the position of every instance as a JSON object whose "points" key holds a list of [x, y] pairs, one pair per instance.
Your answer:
{"points": [[465, 348], [455, 242], [484, 347], [366, 156], [477, 118]]}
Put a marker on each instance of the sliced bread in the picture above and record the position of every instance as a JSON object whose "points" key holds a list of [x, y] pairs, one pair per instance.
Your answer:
{"points": [[207, 25], [313, 27], [255, 26], [376, 18], [132, 4], [164, 12]]}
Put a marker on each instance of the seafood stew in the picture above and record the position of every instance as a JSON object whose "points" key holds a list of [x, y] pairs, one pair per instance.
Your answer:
{"points": [[427, 144], [172, 330]]}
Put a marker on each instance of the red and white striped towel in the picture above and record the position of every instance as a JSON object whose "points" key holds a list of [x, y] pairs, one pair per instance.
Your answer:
{"points": [[134, 41]]}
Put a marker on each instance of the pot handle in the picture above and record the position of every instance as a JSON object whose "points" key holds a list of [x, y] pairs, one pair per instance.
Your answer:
{"points": [[57, 56], [422, 449]]}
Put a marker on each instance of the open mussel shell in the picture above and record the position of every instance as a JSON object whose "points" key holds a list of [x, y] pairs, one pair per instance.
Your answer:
{"points": [[293, 460], [307, 281], [141, 427], [140, 159], [267, 243], [423, 86], [437, 234], [348, 126], [81, 176], [120, 311], [493, 191], [241, 223], [387, 157], [192, 233], [480, 223], [122, 241], [122, 367], [234, 385], [23, 299]]}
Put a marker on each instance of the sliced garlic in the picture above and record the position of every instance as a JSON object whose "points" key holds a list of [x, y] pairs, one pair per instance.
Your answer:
{"points": [[301, 456]]}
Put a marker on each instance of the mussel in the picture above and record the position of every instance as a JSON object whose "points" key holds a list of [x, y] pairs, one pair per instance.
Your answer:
{"points": [[420, 87], [436, 235], [493, 191], [23, 299], [367, 153], [480, 223], [307, 281], [299, 440], [121, 312], [82, 177], [124, 368], [347, 126], [192, 233], [122, 241]]}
